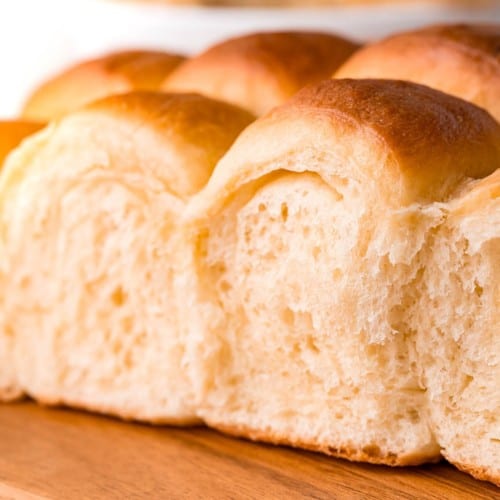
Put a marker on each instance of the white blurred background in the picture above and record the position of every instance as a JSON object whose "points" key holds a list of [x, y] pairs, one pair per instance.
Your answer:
{"points": [[39, 37]]}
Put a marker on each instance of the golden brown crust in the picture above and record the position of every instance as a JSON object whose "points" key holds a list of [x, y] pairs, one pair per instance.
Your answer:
{"points": [[416, 122], [370, 454], [13, 132], [262, 70], [144, 69], [463, 60], [114, 73], [481, 37], [411, 143]]}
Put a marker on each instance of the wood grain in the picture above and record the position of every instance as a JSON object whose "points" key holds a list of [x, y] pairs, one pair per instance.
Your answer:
{"points": [[62, 454]]}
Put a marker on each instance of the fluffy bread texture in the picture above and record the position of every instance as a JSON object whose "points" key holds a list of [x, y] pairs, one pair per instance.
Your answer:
{"points": [[462, 60], [311, 250], [457, 320], [261, 70], [11, 134], [115, 73], [89, 214]]}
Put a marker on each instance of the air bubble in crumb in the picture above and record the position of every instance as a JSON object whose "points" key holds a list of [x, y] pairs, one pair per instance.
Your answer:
{"points": [[284, 212], [119, 297]]}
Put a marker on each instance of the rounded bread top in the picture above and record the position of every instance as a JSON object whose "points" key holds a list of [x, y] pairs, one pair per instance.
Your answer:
{"points": [[463, 60], [261, 70], [178, 138], [403, 142], [93, 79]]}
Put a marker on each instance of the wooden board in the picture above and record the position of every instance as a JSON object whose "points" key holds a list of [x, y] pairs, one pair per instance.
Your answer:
{"points": [[49, 453]]}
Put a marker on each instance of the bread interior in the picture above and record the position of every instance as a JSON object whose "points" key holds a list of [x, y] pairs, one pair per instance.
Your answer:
{"points": [[305, 286]]}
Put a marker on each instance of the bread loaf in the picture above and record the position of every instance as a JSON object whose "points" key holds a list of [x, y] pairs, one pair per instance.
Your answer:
{"points": [[261, 70], [312, 243], [115, 73], [89, 213], [462, 60], [334, 286]]}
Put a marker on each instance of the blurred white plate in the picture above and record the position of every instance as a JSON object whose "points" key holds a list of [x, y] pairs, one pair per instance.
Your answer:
{"points": [[39, 37]]}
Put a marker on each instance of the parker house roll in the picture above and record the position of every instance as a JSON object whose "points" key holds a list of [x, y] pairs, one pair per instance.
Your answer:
{"points": [[114, 73], [261, 70], [11, 134], [312, 267], [462, 60], [89, 212]]}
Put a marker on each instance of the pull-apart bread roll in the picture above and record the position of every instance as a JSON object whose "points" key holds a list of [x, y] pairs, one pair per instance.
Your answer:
{"points": [[11, 134], [457, 316], [462, 60], [308, 242], [89, 211], [261, 70], [115, 73]]}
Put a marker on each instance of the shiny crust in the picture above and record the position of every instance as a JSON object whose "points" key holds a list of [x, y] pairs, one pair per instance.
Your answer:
{"points": [[369, 455], [261, 70], [115, 73], [12, 133], [413, 144], [463, 60]]}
